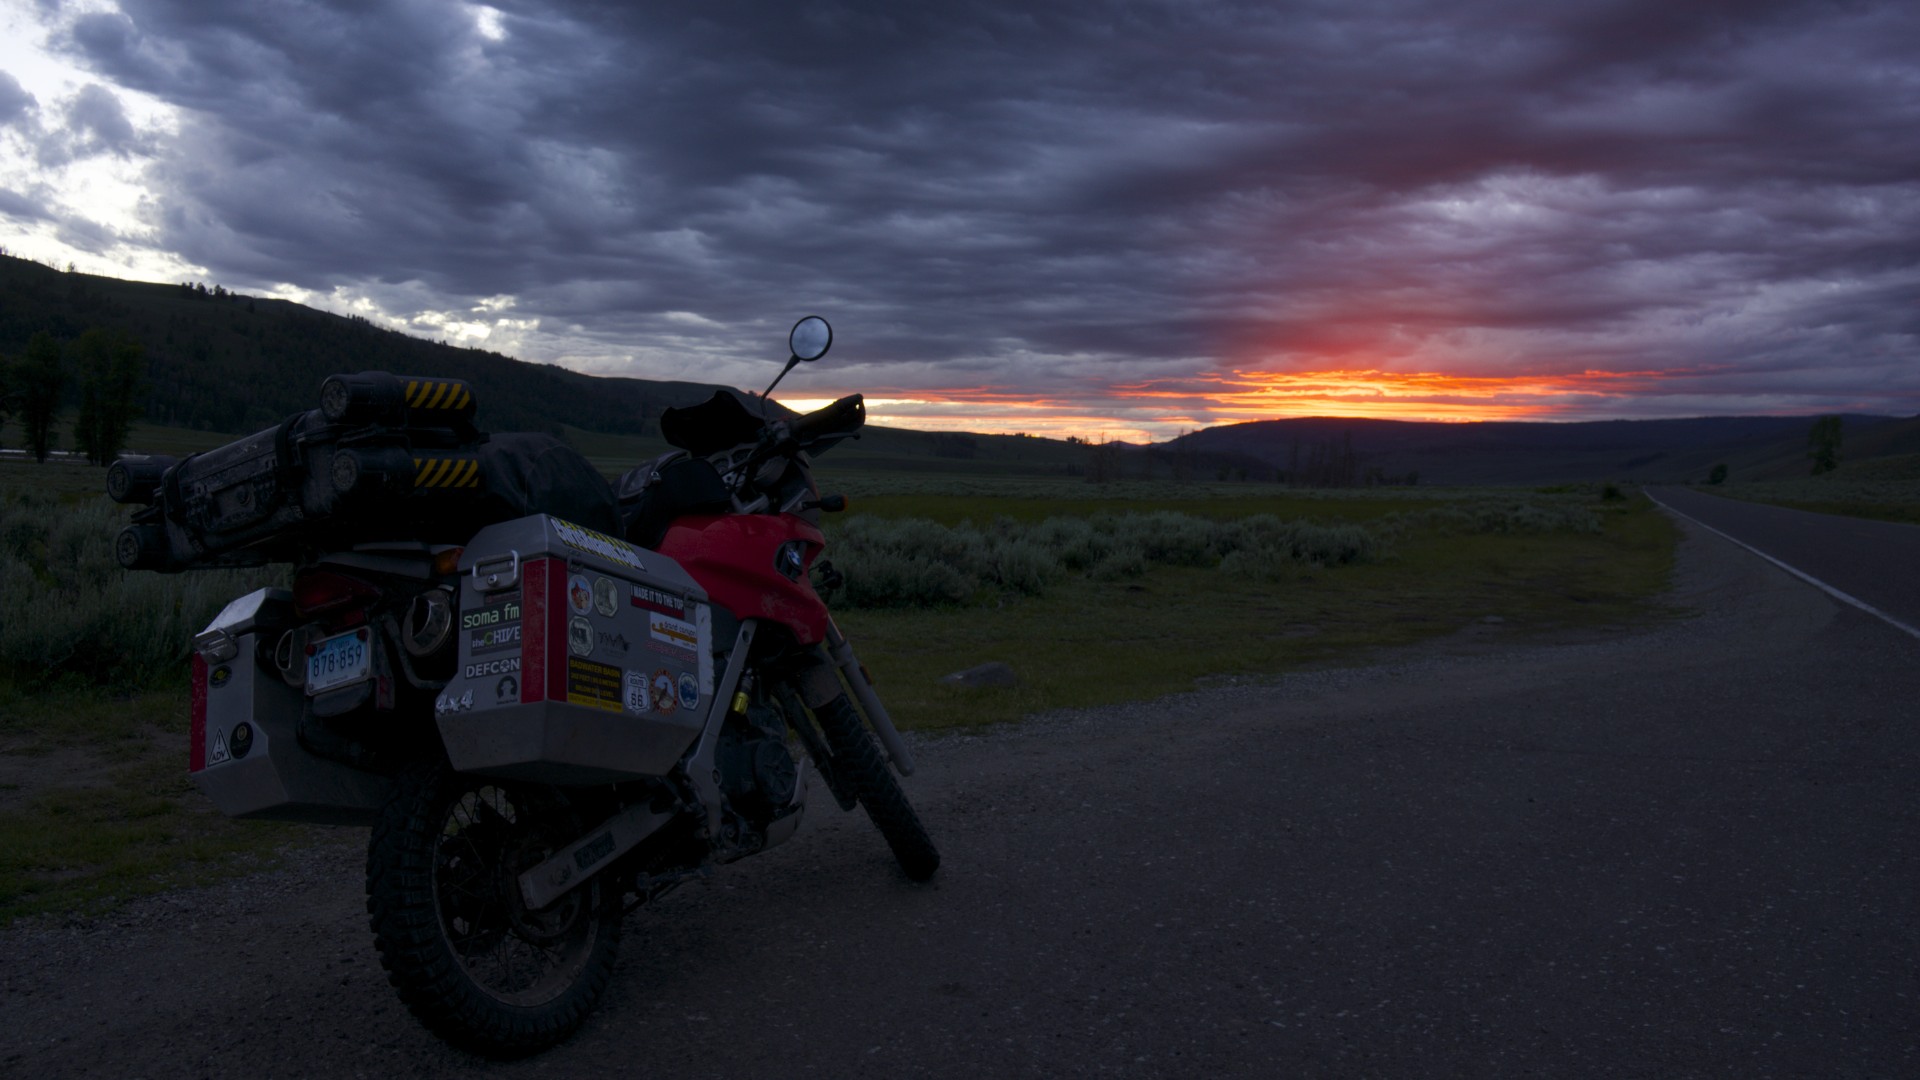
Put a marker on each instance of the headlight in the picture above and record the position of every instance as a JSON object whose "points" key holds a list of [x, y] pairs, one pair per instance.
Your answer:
{"points": [[791, 560]]}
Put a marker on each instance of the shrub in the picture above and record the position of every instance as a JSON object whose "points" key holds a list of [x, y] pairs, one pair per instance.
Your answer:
{"points": [[908, 562], [1164, 536], [1022, 565], [1505, 518], [883, 579], [1120, 563], [68, 610], [1074, 541]]}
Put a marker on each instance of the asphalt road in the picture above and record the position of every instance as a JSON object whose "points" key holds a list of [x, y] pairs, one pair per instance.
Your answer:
{"points": [[1682, 851], [1875, 562]]}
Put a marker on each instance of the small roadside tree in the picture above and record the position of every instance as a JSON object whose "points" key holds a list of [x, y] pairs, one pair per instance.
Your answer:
{"points": [[1823, 444], [110, 375], [1718, 475], [40, 378]]}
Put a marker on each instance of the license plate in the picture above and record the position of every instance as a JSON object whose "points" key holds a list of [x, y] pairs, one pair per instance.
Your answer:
{"points": [[340, 660]]}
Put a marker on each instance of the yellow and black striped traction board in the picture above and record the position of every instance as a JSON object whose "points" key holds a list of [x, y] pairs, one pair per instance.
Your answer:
{"points": [[449, 394], [446, 472]]}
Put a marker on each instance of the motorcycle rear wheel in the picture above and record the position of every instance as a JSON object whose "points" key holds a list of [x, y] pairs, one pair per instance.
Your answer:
{"points": [[467, 957], [856, 758]]}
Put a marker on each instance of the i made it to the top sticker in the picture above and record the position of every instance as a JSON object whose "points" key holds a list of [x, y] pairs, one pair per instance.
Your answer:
{"points": [[597, 543]]}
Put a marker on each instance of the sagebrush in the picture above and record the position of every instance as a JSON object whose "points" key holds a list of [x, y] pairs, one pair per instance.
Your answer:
{"points": [[69, 611], [913, 562]]}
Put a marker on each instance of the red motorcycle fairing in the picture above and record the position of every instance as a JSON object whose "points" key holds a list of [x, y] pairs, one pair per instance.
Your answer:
{"points": [[735, 557]]}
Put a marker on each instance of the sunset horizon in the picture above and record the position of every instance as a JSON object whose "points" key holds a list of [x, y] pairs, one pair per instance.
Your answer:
{"points": [[1091, 222]]}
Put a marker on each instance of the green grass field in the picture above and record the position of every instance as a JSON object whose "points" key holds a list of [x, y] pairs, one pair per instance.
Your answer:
{"points": [[1884, 489], [1089, 642], [95, 805]]}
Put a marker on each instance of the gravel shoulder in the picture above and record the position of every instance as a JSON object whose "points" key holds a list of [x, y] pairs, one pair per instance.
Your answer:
{"points": [[1684, 849]]}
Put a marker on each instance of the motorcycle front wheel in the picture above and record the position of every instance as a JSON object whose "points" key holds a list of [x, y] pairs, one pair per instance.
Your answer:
{"points": [[468, 958], [857, 758]]}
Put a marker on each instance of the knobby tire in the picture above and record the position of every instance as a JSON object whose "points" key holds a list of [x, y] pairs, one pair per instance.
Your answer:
{"points": [[413, 920], [859, 760]]}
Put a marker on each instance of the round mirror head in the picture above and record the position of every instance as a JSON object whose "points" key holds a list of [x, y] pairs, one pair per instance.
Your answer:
{"points": [[810, 338]]}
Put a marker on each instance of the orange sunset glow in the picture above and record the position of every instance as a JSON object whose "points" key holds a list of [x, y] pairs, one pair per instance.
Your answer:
{"points": [[1157, 409], [1390, 395]]}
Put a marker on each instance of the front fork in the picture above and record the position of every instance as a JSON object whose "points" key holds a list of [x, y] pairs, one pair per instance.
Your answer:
{"points": [[841, 654], [554, 877]]}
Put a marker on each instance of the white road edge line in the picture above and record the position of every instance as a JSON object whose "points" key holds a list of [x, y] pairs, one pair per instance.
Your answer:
{"points": [[1796, 572]]}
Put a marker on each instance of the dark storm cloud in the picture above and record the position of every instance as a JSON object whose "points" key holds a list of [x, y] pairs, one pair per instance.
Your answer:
{"points": [[987, 194], [16, 105], [96, 123]]}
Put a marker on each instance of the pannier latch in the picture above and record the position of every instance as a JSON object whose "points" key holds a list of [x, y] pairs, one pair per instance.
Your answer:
{"points": [[216, 644], [498, 572]]}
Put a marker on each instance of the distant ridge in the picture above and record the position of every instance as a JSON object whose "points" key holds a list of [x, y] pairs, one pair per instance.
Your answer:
{"points": [[231, 363], [1519, 452]]}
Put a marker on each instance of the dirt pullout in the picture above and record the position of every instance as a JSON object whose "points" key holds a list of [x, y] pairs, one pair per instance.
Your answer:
{"points": [[1660, 852]]}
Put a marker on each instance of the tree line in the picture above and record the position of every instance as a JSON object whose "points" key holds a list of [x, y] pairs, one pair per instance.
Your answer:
{"points": [[109, 372]]}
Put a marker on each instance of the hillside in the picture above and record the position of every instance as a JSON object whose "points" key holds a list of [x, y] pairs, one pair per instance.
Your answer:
{"points": [[1508, 452], [229, 364], [232, 363]]}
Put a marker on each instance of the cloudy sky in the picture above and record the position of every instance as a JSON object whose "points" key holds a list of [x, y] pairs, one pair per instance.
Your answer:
{"points": [[1099, 218]]}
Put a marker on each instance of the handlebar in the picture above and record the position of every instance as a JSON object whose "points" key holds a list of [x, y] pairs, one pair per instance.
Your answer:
{"points": [[843, 417]]}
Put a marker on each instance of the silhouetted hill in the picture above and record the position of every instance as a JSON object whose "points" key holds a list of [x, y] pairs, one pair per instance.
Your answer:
{"points": [[233, 363], [1512, 452], [230, 363]]}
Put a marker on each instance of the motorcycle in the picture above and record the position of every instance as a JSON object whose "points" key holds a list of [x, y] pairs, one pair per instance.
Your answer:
{"points": [[549, 722]]}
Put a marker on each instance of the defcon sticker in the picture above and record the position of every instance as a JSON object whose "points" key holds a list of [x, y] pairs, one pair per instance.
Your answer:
{"points": [[502, 666]]}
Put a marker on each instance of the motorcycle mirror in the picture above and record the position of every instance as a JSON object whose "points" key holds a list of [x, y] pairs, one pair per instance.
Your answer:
{"points": [[810, 338]]}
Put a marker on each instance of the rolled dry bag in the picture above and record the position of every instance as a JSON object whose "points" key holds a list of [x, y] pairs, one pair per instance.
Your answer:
{"points": [[375, 397]]}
